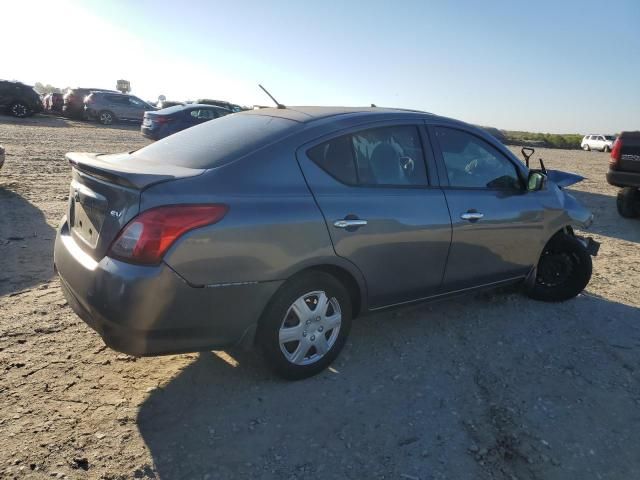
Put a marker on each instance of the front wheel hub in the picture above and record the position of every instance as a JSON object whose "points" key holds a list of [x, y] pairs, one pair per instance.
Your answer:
{"points": [[554, 268], [312, 312]]}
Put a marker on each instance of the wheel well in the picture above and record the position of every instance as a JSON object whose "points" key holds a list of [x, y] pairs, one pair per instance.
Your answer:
{"points": [[566, 230], [347, 280]]}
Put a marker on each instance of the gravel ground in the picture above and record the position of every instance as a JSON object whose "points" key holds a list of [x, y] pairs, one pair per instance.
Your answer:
{"points": [[494, 386]]}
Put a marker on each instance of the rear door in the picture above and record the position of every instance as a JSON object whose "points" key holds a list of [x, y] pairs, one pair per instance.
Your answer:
{"points": [[119, 105], [381, 211], [497, 225]]}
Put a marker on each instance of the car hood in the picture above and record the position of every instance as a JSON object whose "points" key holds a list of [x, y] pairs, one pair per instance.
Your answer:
{"points": [[564, 179]]}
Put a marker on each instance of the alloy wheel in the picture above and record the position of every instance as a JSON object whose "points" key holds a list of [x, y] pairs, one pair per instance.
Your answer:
{"points": [[19, 110], [310, 328], [106, 118]]}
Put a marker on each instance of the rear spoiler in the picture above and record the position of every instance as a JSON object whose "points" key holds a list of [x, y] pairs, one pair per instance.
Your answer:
{"points": [[126, 171]]}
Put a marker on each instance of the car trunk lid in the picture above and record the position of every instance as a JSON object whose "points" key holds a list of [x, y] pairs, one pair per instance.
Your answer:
{"points": [[105, 195], [629, 154]]}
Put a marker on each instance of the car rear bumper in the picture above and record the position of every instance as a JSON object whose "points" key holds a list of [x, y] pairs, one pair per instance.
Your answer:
{"points": [[72, 111], [623, 179], [143, 310], [153, 134]]}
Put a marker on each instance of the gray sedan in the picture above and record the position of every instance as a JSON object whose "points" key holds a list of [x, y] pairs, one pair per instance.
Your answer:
{"points": [[277, 227]]}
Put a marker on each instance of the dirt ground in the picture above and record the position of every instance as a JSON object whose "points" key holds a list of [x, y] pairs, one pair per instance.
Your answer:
{"points": [[493, 386]]}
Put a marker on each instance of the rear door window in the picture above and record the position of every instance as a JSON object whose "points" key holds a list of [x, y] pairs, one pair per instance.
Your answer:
{"points": [[117, 99], [203, 114], [386, 156], [336, 158]]}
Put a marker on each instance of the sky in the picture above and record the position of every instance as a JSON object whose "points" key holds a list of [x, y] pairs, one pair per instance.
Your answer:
{"points": [[545, 66]]}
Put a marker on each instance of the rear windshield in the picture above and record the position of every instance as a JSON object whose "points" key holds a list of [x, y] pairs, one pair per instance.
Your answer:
{"points": [[216, 142]]}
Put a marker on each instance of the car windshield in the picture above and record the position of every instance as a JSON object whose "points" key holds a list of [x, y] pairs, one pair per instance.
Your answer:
{"points": [[213, 144]]}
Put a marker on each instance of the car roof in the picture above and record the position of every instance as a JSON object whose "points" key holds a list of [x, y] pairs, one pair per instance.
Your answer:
{"points": [[188, 106], [16, 82], [310, 114]]}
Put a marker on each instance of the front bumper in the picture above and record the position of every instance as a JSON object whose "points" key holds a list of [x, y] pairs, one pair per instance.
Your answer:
{"points": [[623, 179], [142, 310]]}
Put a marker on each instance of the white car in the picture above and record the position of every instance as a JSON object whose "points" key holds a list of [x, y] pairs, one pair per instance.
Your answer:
{"points": [[598, 142]]}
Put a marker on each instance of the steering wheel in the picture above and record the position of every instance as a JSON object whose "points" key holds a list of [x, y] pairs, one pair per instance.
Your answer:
{"points": [[407, 165]]}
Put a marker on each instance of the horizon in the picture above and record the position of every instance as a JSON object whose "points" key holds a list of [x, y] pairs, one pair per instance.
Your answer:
{"points": [[544, 68]]}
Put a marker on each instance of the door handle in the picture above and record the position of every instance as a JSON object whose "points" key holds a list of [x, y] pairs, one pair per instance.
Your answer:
{"points": [[472, 216], [349, 223]]}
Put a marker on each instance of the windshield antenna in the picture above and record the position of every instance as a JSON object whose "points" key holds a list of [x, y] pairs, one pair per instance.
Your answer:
{"points": [[279, 105]]}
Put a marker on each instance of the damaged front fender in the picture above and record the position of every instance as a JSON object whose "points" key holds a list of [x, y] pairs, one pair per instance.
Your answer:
{"points": [[580, 215]]}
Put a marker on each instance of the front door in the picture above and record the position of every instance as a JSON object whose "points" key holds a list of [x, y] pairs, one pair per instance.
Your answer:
{"points": [[380, 211], [497, 225]]}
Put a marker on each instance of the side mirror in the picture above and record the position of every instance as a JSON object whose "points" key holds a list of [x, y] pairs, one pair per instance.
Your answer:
{"points": [[536, 181]]}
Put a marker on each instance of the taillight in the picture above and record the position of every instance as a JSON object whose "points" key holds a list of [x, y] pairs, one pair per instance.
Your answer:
{"points": [[147, 237], [616, 153], [159, 119]]}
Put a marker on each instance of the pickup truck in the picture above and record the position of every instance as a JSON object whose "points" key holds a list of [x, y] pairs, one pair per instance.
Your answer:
{"points": [[624, 172]]}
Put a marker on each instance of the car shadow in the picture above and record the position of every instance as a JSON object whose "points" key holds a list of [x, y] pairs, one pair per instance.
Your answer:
{"points": [[58, 121], [410, 393], [26, 243], [38, 120], [607, 221], [119, 126]]}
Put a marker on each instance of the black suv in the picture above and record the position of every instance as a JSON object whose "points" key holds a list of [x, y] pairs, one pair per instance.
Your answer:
{"points": [[624, 172], [18, 99]]}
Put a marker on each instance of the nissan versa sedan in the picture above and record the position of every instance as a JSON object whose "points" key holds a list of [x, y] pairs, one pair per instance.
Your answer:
{"points": [[277, 227]]}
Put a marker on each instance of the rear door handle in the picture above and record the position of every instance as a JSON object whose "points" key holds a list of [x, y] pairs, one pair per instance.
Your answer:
{"points": [[349, 223], [472, 216]]}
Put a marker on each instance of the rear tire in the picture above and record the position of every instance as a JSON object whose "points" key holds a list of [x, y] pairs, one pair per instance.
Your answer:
{"points": [[563, 271], [606, 149], [628, 202], [105, 117], [19, 110], [297, 340]]}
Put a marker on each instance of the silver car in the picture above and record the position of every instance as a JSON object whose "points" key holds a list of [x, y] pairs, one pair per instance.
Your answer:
{"points": [[277, 227], [110, 107], [603, 143]]}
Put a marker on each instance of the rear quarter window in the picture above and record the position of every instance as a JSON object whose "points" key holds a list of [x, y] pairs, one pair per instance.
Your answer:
{"points": [[213, 144]]}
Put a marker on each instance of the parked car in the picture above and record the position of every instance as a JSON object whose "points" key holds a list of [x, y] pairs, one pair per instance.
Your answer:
{"points": [[74, 101], [108, 108], [624, 172], [161, 123], [220, 103], [603, 143], [53, 102], [18, 99], [279, 226]]}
